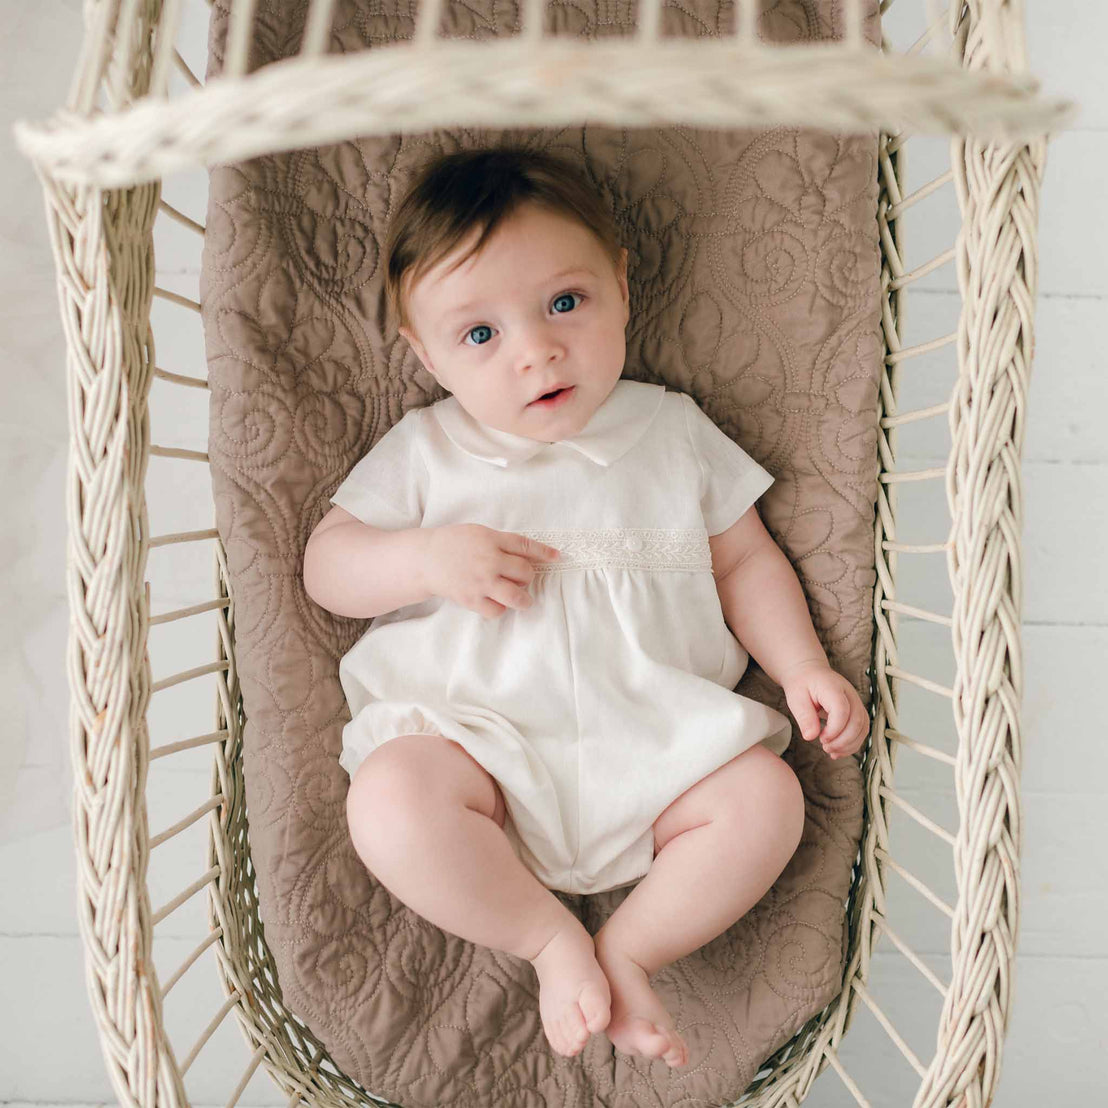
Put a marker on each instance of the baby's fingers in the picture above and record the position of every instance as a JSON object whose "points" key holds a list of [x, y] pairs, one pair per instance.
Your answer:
{"points": [[807, 718], [523, 546], [837, 704], [502, 596], [512, 595], [853, 735]]}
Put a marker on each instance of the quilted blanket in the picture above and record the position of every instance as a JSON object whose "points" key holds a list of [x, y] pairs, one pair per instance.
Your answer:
{"points": [[754, 270]]}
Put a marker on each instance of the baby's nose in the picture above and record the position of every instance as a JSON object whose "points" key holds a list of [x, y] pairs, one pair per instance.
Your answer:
{"points": [[538, 347]]}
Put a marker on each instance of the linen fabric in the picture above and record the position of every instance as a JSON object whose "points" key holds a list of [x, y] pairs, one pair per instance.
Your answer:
{"points": [[612, 694]]}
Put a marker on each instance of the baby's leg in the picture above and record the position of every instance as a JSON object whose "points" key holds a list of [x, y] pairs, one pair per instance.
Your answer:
{"points": [[427, 820], [719, 847]]}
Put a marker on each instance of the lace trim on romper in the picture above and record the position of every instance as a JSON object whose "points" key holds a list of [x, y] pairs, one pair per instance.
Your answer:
{"points": [[664, 548]]}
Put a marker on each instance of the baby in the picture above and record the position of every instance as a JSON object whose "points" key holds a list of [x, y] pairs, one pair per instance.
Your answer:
{"points": [[557, 559]]}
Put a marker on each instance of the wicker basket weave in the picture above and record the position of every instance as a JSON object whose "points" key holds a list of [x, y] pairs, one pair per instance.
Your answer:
{"points": [[101, 160]]}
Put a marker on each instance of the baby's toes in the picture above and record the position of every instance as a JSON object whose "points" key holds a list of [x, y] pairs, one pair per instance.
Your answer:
{"points": [[675, 1052], [677, 1055], [595, 1007], [560, 1041], [653, 1039], [573, 1031]]}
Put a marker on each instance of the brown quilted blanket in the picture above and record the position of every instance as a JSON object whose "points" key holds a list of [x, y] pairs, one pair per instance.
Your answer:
{"points": [[755, 287]]}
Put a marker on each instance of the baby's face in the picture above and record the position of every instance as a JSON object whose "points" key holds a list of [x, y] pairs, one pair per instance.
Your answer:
{"points": [[540, 306]]}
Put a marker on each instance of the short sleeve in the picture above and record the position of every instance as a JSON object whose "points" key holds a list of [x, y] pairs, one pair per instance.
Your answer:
{"points": [[730, 479], [388, 487]]}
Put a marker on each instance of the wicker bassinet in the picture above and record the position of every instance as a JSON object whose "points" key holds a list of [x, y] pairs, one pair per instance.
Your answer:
{"points": [[102, 160]]}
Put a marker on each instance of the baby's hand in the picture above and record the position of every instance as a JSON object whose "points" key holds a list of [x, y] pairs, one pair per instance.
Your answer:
{"points": [[480, 568], [813, 689]]}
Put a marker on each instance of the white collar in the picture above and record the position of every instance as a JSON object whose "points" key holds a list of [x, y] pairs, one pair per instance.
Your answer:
{"points": [[614, 428]]}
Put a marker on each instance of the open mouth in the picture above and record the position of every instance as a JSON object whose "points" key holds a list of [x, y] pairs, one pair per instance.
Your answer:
{"points": [[550, 399]]}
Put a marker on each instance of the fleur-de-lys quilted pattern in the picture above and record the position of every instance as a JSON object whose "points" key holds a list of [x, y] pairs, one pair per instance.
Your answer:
{"points": [[754, 275]]}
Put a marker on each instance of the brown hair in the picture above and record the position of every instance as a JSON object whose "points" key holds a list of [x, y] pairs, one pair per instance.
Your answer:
{"points": [[454, 193]]}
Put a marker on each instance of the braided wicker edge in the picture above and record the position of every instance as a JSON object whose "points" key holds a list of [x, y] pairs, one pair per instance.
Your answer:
{"points": [[303, 102]]}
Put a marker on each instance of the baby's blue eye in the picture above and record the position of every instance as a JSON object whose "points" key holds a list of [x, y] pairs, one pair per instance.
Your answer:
{"points": [[572, 297], [480, 327], [563, 296]]}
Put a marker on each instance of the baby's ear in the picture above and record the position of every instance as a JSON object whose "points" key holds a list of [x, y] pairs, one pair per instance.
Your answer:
{"points": [[624, 290], [416, 345], [421, 354]]}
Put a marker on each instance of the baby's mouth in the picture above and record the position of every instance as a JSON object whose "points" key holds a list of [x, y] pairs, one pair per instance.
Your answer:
{"points": [[557, 394]]}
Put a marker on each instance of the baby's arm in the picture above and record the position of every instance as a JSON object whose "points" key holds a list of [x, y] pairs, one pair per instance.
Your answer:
{"points": [[353, 569], [764, 604], [356, 570]]}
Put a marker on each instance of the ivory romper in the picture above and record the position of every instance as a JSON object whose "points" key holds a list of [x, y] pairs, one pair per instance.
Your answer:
{"points": [[612, 694]]}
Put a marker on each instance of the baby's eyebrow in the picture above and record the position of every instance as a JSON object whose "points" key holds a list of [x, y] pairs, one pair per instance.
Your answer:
{"points": [[464, 308]]}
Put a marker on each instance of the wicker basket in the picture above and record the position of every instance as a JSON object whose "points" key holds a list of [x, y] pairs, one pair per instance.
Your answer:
{"points": [[101, 160]]}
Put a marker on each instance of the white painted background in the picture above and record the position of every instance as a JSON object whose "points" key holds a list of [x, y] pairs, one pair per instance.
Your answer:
{"points": [[1058, 1036]]}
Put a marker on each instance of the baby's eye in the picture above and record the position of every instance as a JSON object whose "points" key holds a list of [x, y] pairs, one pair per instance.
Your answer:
{"points": [[478, 328], [564, 296]]}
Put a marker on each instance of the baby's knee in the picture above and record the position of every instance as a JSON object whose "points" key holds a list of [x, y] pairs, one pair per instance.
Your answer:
{"points": [[792, 803], [415, 776], [780, 790], [390, 784]]}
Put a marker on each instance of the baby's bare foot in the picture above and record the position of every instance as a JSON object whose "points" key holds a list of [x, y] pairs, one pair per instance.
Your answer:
{"points": [[574, 998], [639, 1022]]}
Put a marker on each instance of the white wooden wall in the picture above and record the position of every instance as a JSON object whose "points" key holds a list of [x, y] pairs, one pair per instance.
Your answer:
{"points": [[1058, 1037]]}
